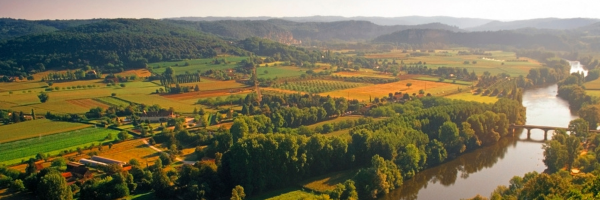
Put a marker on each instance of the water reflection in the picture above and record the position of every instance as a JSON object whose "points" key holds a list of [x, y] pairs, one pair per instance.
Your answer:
{"points": [[448, 173]]}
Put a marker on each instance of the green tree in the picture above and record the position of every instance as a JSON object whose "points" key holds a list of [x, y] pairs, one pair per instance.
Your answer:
{"points": [[59, 163], [161, 184], [573, 145], [123, 135], [591, 114], [43, 97], [580, 128], [408, 85], [555, 155], [237, 193], [53, 186]]}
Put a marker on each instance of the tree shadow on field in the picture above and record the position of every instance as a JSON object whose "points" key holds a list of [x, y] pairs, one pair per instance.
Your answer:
{"points": [[155, 154]]}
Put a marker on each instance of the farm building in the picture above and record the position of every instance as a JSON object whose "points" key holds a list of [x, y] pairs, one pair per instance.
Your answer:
{"points": [[89, 162], [108, 160], [157, 116]]}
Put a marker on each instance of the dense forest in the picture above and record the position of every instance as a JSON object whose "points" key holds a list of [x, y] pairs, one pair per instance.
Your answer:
{"points": [[112, 45]]}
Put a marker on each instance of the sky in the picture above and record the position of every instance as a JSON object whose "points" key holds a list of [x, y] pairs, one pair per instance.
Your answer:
{"points": [[504, 10]]}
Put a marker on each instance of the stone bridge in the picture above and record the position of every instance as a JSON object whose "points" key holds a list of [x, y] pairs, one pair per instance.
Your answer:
{"points": [[544, 128]]}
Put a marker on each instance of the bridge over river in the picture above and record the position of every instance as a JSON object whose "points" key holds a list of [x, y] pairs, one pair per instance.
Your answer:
{"points": [[544, 128]]}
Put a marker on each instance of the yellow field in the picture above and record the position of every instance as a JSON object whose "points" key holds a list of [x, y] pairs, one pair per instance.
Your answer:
{"points": [[467, 96], [381, 90], [127, 150]]}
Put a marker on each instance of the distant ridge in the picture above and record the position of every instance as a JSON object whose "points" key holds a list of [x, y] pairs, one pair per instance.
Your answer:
{"points": [[544, 23], [384, 21]]}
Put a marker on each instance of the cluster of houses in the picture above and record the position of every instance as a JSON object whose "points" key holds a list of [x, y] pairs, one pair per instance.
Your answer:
{"points": [[80, 171]]}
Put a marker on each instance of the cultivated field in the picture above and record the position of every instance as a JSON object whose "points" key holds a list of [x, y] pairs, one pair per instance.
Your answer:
{"points": [[280, 72], [14, 152], [112, 101], [423, 78], [318, 86], [59, 101], [467, 96], [36, 128], [381, 90], [592, 85], [492, 64], [196, 64]]}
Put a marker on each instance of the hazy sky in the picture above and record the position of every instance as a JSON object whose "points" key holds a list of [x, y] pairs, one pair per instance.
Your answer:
{"points": [[490, 9]]}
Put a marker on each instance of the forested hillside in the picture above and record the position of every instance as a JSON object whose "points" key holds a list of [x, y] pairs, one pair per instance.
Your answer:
{"points": [[111, 45], [294, 32], [11, 28]]}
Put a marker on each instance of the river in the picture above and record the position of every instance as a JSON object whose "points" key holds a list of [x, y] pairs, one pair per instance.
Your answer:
{"points": [[483, 170]]}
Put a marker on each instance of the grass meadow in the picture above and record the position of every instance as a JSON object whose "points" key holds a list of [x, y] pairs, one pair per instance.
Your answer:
{"points": [[14, 152], [36, 128]]}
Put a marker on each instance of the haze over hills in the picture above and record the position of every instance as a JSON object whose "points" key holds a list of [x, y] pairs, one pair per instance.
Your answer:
{"points": [[290, 32], [384, 21], [546, 23]]}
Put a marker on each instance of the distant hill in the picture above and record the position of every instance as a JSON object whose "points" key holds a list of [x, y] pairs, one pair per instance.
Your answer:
{"points": [[442, 38], [290, 32], [546, 23], [384, 21], [111, 45]]}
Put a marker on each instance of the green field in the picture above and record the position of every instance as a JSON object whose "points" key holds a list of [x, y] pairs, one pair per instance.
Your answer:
{"points": [[112, 101], [470, 97], [36, 128], [279, 72], [318, 86], [61, 101], [494, 66], [17, 150], [195, 65]]}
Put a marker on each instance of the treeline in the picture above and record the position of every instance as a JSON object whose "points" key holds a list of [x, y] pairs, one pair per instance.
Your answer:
{"points": [[71, 76]]}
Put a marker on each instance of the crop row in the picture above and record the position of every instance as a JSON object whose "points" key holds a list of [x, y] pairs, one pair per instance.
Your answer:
{"points": [[317, 86]]}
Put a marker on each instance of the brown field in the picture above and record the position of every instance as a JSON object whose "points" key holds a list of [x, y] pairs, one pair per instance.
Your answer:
{"points": [[87, 103], [381, 90]]}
